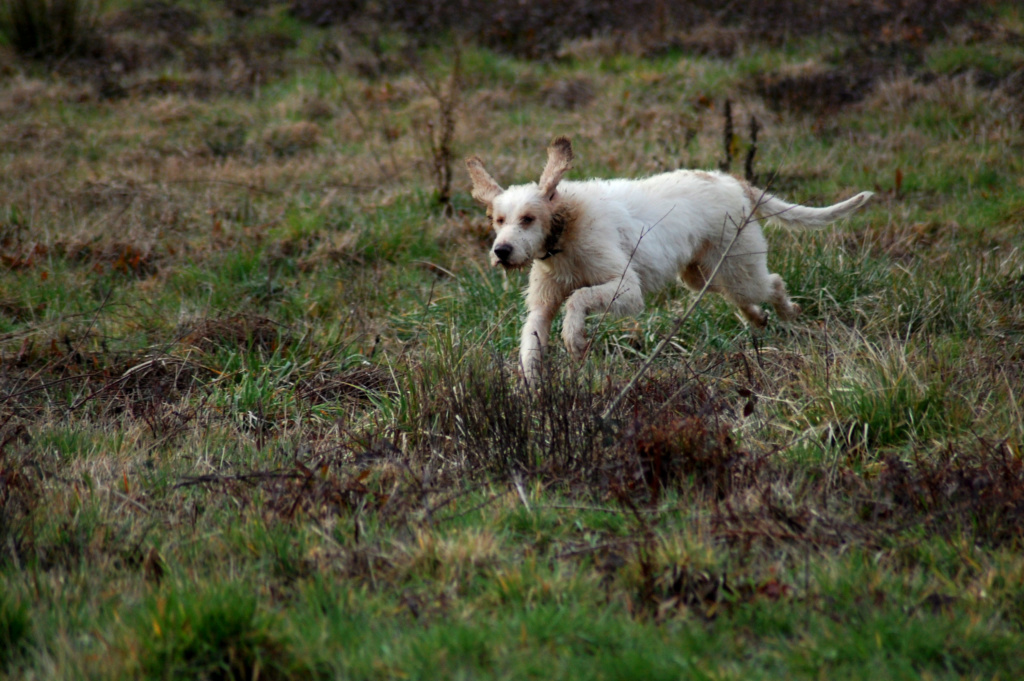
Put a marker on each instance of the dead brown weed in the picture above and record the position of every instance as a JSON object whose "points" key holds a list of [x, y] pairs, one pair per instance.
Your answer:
{"points": [[979, 493], [353, 384], [241, 331], [680, 589]]}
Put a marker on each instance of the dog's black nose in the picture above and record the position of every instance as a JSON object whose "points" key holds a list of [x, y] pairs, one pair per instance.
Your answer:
{"points": [[503, 251]]}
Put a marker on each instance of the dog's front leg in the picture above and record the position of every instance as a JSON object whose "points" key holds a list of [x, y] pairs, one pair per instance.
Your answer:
{"points": [[543, 298], [620, 296], [533, 342]]}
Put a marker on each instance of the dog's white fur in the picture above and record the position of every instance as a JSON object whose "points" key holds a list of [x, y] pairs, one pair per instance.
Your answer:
{"points": [[600, 245]]}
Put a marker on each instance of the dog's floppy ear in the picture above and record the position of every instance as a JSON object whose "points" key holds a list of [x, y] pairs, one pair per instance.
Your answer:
{"points": [[559, 163], [484, 186]]}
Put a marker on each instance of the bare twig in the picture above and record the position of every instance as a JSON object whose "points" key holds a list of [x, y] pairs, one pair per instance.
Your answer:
{"points": [[727, 138], [632, 254], [441, 134], [748, 165], [680, 321], [128, 499], [519, 488]]}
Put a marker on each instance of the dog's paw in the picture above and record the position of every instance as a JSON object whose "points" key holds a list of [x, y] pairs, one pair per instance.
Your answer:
{"points": [[531, 365], [754, 315], [577, 344]]}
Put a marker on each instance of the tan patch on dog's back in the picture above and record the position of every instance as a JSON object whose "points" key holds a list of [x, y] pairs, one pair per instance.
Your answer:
{"points": [[754, 195], [705, 175]]}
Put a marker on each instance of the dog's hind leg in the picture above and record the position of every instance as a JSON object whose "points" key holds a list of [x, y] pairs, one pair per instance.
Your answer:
{"points": [[753, 314], [767, 288], [784, 307], [744, 279]]}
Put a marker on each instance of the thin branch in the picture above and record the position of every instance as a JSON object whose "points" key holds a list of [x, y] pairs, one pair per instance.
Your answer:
{"points": [[727, 138], [668, 337], [129, 500], [748, 165], [613, 405]]}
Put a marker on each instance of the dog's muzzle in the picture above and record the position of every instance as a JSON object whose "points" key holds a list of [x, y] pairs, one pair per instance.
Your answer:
{"points": [[503, 252]]}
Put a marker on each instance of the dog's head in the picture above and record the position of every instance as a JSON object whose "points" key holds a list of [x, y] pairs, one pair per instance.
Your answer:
{"points": [[522, 215]]}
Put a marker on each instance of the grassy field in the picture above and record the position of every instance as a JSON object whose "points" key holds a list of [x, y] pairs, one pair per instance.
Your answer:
{"points": [[259, 409]]}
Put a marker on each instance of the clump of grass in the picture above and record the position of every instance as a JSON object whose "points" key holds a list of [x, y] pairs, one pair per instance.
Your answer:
{"points": [[494, 424], [833, 281], [218, 632], [874, 401], [885, 409]]}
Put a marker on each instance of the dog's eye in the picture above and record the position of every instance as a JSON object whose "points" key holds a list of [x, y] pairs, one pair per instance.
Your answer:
{"points": [[527, 220], [499, 221]]}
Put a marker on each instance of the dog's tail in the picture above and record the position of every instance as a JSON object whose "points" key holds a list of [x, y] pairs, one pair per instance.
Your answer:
{"points": [[771, 207]]}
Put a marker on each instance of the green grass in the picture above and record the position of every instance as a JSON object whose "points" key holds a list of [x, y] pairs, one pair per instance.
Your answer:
{"points": [[218, 633], [15, 629], [260, 415]]}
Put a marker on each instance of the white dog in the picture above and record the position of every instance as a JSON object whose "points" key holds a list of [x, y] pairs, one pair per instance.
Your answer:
{"points": [[600, 245]]}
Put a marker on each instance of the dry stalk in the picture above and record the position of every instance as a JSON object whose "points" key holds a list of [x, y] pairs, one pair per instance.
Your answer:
{"points": [[440, 134], [748, 165], [632, 254], [728, 139]]}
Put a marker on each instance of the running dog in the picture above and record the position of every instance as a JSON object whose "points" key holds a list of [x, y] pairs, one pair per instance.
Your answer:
{"points": [[600, 245]]}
